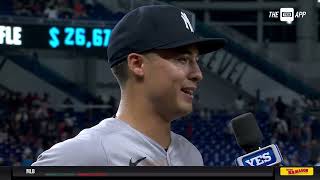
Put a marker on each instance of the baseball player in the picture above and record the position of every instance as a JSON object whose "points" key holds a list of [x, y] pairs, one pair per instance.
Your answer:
{"points": [[153, 53]]}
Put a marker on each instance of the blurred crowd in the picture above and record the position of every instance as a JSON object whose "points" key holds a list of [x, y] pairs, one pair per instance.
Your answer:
{"points": [[59, 9], [29, 124]]}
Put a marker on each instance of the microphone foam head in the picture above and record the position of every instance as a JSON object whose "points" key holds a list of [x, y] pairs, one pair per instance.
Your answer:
{"points": [[247, 132]]}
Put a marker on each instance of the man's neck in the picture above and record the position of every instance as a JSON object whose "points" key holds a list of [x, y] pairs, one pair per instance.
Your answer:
{"points": [[144, 119]]}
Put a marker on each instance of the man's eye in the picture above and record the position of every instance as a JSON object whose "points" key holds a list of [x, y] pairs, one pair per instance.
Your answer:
{"points": [[182, 60]]}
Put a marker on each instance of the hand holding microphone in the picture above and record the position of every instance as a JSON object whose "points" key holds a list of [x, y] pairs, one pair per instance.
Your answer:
{"points": [[249, 138]]}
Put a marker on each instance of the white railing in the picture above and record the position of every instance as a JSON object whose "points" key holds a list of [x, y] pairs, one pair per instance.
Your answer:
{"points": [[261, 51]]}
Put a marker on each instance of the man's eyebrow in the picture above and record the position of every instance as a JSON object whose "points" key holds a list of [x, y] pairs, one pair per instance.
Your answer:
{"points": [[184, 51]]}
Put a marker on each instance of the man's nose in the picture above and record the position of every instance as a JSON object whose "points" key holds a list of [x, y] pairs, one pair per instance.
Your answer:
{"points": [[196, 74]]}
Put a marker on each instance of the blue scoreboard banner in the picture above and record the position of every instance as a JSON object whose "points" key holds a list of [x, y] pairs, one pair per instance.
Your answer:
{"points": [[54, 37]]}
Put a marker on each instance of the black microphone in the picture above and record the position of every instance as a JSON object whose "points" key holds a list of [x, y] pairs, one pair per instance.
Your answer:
{"points": [[249, 137]]}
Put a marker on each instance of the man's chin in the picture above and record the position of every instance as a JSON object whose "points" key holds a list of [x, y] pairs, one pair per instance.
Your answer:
{"points": [[185, 109]]}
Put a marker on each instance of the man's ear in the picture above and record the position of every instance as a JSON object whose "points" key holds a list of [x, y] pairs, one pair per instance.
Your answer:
{"points": [[136, 64]]}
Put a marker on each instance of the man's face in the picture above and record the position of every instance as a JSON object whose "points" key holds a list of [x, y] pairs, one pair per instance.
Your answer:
{"points": [[171, 78]]}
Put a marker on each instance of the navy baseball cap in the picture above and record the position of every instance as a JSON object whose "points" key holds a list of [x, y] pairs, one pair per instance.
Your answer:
{"points": [[155, 27]]}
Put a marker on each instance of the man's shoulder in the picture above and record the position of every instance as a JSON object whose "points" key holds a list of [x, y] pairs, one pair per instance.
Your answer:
{"points": [[78, 151], [106, 127], [187, 149], [183, 142], [84, 149]]}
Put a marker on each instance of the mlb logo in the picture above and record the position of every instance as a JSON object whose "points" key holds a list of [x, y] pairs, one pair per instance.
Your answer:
{"points": [[287, 14], [30, 171]]}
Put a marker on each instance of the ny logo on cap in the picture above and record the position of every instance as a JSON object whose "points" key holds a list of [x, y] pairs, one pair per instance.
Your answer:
{"points": [[186, 21]]}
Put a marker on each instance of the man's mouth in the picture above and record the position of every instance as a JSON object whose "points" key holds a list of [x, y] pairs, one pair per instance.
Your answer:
{"points": [[188, 90]]}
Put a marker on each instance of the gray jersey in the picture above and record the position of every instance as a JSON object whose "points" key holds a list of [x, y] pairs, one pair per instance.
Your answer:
{"points": [[114, 143]]}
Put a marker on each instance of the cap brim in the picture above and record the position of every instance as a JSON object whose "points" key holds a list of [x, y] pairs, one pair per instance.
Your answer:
{"points": [[204, 45]]}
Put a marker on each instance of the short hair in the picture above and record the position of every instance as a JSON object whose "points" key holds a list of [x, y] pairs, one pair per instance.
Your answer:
{"points": [[120, 71]]}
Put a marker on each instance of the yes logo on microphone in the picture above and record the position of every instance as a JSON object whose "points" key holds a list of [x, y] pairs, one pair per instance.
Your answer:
{"points": [[267, 156]]}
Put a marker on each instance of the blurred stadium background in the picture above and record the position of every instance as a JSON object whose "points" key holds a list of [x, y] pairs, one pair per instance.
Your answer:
{"points": [[52, 85]]}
